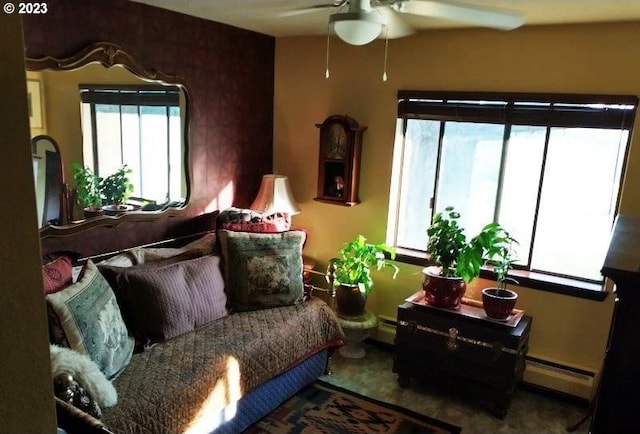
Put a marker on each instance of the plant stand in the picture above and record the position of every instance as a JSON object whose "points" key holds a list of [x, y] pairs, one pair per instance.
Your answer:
{"points": [[356, 330]]}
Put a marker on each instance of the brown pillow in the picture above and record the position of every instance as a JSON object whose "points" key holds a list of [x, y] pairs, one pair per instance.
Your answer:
{"points": [[165, 301], [116, 276]]}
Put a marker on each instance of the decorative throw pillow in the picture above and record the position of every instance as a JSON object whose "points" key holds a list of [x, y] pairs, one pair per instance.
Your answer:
{"points": [[125, 259], [163, 301], [204, 245], [56, 275], [246, 220], [262, 270], [92, 323]]}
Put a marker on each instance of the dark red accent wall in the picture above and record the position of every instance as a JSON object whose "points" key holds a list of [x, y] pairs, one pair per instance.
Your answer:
{"points": [[229, 70]]}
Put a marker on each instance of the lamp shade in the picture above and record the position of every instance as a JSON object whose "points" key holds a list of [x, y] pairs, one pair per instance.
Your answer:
{"points": [[275, 196], [358, 28]]}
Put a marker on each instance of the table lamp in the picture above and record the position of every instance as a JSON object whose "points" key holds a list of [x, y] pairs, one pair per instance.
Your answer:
{"points": [[275, 200]]}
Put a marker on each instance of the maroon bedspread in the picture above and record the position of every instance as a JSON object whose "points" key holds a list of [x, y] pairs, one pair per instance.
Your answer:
{"points": [[172, 386]]}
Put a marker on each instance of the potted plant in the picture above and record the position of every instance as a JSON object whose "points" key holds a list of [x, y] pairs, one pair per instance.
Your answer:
{"points": [[116, 189], [499, 302], [457, 260], [351, 273], [87, 185]]}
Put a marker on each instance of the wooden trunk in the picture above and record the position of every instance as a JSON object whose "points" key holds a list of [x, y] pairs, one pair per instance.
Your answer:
{"points": [[468, 355]]}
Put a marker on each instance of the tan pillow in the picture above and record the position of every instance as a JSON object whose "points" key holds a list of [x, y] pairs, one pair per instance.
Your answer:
{"points": [[204, 246]]}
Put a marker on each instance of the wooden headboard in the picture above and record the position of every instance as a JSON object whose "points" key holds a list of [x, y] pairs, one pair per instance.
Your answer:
{"points": [[106, 239]]}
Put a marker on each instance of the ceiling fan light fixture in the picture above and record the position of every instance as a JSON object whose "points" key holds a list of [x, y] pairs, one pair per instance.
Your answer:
{"points": [[358, 28]]}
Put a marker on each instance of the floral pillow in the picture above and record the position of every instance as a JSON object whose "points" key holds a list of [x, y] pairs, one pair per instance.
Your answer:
{"points": [[262, 270], [90, 319]]}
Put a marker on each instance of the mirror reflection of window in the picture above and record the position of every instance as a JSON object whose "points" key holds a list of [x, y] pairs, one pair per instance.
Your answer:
{"points": [[139, 126]]}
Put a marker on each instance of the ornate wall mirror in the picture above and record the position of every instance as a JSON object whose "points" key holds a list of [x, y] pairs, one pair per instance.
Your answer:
{"points": [[103, 112], [51, 192]]}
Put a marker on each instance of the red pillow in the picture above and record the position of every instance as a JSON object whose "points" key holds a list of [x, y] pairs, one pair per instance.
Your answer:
{"points": [[252, 227], [56, 275]]}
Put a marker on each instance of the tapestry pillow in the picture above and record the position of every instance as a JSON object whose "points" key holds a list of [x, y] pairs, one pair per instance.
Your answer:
{"points": [[262, 270], [56, 275], [165, 301], [90, 318]]}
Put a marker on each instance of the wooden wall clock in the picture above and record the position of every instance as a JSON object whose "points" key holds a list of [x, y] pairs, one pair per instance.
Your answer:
{"points": [[339, 160]]}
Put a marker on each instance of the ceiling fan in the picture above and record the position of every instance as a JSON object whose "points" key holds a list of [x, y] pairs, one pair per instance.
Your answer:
{"points": [[358, 22]]}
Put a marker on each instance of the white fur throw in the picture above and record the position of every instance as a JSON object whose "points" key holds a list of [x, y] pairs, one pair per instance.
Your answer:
{"points": [[86, 372]]}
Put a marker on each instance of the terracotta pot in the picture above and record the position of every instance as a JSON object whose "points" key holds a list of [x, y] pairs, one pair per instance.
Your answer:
{"points": [[498, 303], [442, 291], [350, 300]]}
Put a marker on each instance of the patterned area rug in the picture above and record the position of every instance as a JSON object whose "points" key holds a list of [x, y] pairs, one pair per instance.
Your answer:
{"points": [[327, 409]]}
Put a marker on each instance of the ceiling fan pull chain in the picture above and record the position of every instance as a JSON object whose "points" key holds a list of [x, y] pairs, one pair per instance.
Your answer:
{"points": [[326, 71], [386, 49]]}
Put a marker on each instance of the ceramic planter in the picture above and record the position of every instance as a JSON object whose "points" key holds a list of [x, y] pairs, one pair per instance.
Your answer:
{"points": [[116, 209], [350, 300], [90, 212], [498, 303], [440, 291]]}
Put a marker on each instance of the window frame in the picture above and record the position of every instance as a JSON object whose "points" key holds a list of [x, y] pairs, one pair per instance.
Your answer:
{"points": [[509, 109]]}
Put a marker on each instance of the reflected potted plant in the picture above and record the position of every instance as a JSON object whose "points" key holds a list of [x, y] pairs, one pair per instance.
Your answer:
{"points": [[351, 273], [457, 261], [87, 186], [116, 189], [498, 302]]}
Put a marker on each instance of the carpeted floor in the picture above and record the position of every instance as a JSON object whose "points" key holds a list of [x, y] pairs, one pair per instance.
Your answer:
{"points": [[326, 409], [530, 412]]}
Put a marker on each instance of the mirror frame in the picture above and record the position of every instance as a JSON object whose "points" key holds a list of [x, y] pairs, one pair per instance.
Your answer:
{"points": [[109, 55], [63, 203]]}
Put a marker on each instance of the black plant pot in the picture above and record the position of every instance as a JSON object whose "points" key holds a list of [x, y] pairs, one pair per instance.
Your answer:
{"points": [[350, 300]]}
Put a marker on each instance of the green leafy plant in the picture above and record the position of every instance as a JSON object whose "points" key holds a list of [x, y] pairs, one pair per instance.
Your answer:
{"points": [[87, 186], [449, 248], [357, 258], [501, 257], [116, 188]]}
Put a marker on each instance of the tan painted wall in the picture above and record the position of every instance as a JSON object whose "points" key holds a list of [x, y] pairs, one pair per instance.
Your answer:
{"points": [[26, 401], [567, 59], [62, 102]]}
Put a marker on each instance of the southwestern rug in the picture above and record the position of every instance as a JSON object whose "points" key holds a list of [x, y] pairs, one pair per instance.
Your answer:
{"points": [[322, 408]]}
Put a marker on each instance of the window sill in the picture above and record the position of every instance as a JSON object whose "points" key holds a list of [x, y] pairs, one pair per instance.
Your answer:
{"points": [[530, 279]]}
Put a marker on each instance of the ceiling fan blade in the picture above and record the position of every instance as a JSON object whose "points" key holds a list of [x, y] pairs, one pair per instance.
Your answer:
{"points": [[486, 17], [396, 26], [311, 9]]}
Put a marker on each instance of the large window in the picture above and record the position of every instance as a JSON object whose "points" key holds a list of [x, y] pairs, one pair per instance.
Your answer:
{"points": [[140, 127], [547, 167]]}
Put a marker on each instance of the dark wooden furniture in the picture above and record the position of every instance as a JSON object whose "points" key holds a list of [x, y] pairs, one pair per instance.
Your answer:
{"points": [[339, 160], [618, 397], [464, 354]]}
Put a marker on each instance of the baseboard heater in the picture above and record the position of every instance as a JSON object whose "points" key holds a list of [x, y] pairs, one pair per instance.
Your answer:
{"points": [[542, 372]]}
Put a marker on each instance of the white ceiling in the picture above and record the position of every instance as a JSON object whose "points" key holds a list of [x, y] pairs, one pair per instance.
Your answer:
{"points": [[269, 16]]}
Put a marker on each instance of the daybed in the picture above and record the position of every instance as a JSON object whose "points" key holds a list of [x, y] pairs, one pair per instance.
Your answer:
{"points": [[191, 373]]}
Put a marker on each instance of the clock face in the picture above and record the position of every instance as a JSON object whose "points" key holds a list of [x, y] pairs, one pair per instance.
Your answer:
{"points": [[337, 145]]}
